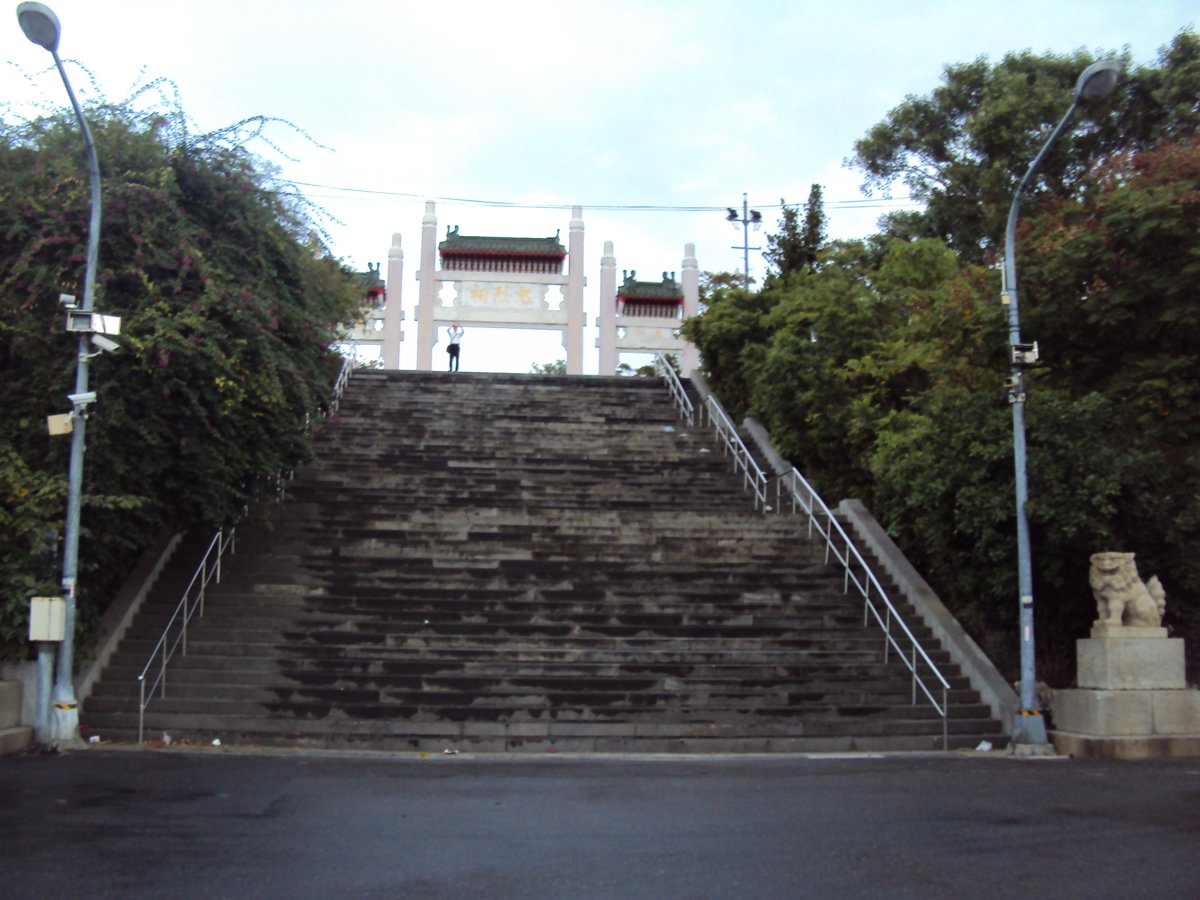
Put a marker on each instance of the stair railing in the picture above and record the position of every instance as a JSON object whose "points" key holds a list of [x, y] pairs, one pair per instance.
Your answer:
{"points": [[753, 476], [339, 385], [675, 386], [175, 635], [792, 489]]}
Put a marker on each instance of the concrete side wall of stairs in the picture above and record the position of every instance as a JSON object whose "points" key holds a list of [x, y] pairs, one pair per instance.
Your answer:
{"points": [[14, 737]]}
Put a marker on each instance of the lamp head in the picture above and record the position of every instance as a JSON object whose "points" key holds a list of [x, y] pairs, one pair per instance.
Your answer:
{"points": [[1097, 80], [40, 24]]}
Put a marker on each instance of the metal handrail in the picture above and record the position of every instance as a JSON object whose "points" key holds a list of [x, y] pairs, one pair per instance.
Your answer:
{"points": [[667, 371], [752, 474], [339, 385], [804, 498], [190, 604], [926, 677]]}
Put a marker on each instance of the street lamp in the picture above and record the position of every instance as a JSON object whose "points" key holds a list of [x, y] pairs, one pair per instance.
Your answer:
{"points": [[748, 217], [40, 25], [1096, 81]]}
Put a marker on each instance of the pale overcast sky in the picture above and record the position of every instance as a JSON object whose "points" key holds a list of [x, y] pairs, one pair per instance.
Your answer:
{"points": [[601, 104]]}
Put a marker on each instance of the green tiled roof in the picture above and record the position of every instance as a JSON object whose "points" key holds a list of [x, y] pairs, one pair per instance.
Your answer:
{"points": [[667, 289], [456, 243]]}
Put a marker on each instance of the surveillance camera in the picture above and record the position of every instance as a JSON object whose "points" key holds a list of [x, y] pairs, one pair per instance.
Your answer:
{"points": [[105, 344], [82, 399], [67, 300]]}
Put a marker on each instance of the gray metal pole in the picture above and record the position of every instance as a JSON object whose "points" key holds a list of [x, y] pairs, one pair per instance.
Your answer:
{"points": [[1029, 727], [65, 714], [1094, 82], [745, 242], [45, 676]]}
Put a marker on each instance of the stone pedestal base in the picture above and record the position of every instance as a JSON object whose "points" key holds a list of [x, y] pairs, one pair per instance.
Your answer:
{"points": [[1130, 663], [1086, 746], [1132, 701]]}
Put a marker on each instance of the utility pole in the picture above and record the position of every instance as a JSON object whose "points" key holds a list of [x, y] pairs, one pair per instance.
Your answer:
{"points": [[747, 218]]}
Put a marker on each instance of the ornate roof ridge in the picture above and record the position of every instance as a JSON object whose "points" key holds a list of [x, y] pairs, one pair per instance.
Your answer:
{"points": [[501, 245], [667, 289]]}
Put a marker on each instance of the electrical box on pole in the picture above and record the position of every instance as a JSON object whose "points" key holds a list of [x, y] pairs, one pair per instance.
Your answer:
{"points": [[47, 618]]}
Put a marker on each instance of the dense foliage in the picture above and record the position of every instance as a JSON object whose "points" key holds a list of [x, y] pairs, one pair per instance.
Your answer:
{"points": [[961, 149], [795, 247], [880, 371], [228, 310]]}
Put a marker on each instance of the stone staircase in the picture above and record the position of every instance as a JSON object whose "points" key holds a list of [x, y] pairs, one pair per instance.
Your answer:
{"points": [[527, 563]]}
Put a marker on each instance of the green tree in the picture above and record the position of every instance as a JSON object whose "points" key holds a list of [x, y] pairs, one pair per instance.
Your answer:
{"points": [[229, 308], [558, 367], [796, 247], [30, 519], [731, 335], [1111, 286], [962, 149], [880, 372], [628, 371]]}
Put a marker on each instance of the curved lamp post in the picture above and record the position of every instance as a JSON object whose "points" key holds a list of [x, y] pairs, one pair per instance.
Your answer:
{"points": [[40, 25], [1096, 81]]}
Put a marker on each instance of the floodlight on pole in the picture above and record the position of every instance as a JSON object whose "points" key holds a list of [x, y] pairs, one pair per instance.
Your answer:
{"points": [[41, 26], [1095, 82], [747, 218]]}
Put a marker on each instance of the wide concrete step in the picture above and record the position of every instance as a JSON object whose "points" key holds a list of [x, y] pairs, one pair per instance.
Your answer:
{"points": [[897, 716], [548, 736], [811, 682], [225, 663]]}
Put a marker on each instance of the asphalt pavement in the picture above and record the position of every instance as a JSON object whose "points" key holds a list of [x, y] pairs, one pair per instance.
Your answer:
{"points": [[226, 823]]}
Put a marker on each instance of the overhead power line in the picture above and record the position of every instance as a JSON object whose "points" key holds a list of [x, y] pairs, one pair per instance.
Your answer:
{"points": [[867, 203]]}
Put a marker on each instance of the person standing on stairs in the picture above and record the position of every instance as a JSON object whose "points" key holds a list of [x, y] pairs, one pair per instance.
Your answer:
{"points": [[456, 332]]}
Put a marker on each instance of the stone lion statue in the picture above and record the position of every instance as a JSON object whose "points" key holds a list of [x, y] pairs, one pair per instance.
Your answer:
{"points": [[1121, 597]]}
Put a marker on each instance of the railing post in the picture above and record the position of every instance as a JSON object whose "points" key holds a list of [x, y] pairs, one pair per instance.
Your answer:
{"points": [[141, 708], [914, 676], [887, 635], [945, 720], [162, 673]]}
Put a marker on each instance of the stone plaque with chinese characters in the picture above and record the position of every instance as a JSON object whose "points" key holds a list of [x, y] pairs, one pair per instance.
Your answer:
{"points": [[501, 295]]}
